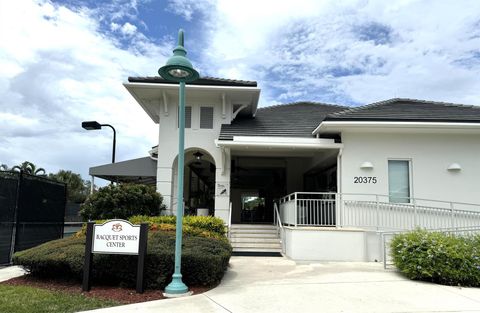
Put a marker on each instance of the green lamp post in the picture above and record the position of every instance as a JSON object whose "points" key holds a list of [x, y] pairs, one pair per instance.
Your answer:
{"points": [[179, 69]]}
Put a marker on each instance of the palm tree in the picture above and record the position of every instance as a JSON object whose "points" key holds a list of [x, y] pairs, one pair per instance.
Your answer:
{"points": [[29, 168], [4, 167]]}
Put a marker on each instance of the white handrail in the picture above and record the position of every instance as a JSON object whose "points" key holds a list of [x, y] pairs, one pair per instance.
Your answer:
{"points": [[368, 211], [279, 226], [277, 213], [373, 195]]}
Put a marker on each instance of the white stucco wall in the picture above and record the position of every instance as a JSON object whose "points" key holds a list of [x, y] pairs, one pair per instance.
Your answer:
{"points": [[430, 155], [324, 244], [330, 244], [195, 138]]}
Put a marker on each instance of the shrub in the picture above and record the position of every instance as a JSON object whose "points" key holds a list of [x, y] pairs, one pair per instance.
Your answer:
{"points": [[202, 226], [438, 257], [204, 261], [205, 223], [122, 201]]}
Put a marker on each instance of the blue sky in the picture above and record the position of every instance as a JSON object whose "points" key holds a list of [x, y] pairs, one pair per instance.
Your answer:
{"points": [[62, 62]]}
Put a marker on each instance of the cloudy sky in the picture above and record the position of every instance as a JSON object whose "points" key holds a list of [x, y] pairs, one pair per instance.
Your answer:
{"points": [[63, 62]]}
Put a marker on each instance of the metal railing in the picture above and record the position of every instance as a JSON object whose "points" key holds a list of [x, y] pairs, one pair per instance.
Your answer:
{"points": [[370, 211], [278, 223], [387, 236]]}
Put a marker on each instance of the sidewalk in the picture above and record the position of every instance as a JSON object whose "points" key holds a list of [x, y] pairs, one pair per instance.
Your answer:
{"points": [[262, 284], [10, 272]]}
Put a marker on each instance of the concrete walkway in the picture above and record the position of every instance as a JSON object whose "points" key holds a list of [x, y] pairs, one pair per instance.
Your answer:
{"points": [[256, 284], [10, 272]]}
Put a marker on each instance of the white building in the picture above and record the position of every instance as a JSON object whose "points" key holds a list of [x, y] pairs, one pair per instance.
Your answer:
{"points": [[339, 175]]}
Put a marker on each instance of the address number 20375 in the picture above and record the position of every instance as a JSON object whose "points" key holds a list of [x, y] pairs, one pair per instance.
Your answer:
{"points": [[365, 180]]}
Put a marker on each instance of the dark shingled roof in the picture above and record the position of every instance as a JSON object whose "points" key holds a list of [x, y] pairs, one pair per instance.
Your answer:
{"points": [[204, 81], [287, 120], [412, 110]]}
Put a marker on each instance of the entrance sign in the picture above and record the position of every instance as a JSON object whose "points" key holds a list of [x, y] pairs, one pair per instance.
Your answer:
{"points": [[116, 237]]}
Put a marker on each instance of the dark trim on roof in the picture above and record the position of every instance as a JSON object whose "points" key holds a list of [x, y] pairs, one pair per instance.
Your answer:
{"points": [[409, 110], [203, 81]]}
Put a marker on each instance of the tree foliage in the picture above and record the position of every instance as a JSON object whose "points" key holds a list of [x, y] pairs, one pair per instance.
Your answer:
{"points": [[30, 168], [122, 201], [77, 188]]}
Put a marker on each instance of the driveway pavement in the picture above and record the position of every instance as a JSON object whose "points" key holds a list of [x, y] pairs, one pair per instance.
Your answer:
{"points": [[268, 284]]}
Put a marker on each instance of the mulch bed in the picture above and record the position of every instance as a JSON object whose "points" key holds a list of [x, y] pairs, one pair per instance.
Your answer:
{"points": [[122, 295]]}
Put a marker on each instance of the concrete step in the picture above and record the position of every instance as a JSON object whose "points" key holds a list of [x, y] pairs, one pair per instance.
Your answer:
{"points": [[253, 232], [254, 235], [252, 226], [279, 250], [252, 245], [254, 240]]}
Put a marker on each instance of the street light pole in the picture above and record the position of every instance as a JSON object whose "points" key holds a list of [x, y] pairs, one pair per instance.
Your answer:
{"points": [[179, 69], [93, 125], [114, 140]]}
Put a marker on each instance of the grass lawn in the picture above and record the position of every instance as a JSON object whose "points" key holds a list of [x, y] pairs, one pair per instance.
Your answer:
{"points": [[25, 299]]}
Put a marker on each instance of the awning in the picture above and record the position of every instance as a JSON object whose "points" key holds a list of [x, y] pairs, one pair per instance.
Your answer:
{"points": [[142, 171]]}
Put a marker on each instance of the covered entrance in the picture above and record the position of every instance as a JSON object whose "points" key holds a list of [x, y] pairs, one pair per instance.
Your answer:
{"points": [[199, 182], [258, 181], [255, 184]]}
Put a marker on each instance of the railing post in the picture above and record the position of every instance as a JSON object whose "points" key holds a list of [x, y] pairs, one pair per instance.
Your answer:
{"points": [[337, 210], [296, 208], [452, 215], [378, 211]]}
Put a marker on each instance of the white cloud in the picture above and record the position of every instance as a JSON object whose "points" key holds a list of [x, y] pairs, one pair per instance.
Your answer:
{"points": [[56, 70], [128, 29], [349, 51]]}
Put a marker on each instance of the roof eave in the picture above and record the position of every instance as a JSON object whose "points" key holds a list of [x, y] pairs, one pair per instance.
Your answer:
{"points": [[329, 126]]}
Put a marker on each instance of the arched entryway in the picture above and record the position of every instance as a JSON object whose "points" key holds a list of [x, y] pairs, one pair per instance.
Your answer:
{"points": [[199, 182]]}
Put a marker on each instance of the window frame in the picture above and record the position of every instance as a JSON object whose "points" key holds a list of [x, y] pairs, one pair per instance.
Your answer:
{"points": [[200, 117], [410, 179]]}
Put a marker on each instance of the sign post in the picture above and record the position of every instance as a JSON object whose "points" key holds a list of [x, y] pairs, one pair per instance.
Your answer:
{"points": [[115, 237]]}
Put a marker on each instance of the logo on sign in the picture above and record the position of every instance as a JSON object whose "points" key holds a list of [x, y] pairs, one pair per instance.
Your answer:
{"points": [[117, 227]]}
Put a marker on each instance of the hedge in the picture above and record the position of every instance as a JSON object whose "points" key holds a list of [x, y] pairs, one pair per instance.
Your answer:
{"points": [[202, 226], [204, 261], [205, 223], [438, 257]]}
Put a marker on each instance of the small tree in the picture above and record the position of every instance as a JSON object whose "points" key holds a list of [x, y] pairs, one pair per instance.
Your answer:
{"points": [[77, 188], [122, 201]]}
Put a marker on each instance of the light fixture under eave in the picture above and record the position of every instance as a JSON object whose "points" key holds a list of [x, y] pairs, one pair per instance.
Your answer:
{"points": [[454, 167], [198, 155], [366, 165]]}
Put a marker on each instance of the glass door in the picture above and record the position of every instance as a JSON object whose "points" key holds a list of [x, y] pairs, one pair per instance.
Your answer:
{"points": [[253, 208]]}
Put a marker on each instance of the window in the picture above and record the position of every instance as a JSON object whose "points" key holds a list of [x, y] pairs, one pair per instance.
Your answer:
{"points": [[399, 181], [206, 117], [188, 117]]}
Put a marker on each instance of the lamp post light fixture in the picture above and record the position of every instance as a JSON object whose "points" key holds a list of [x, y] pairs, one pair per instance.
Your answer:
{"points": [[93, 125], [179, 69]]}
